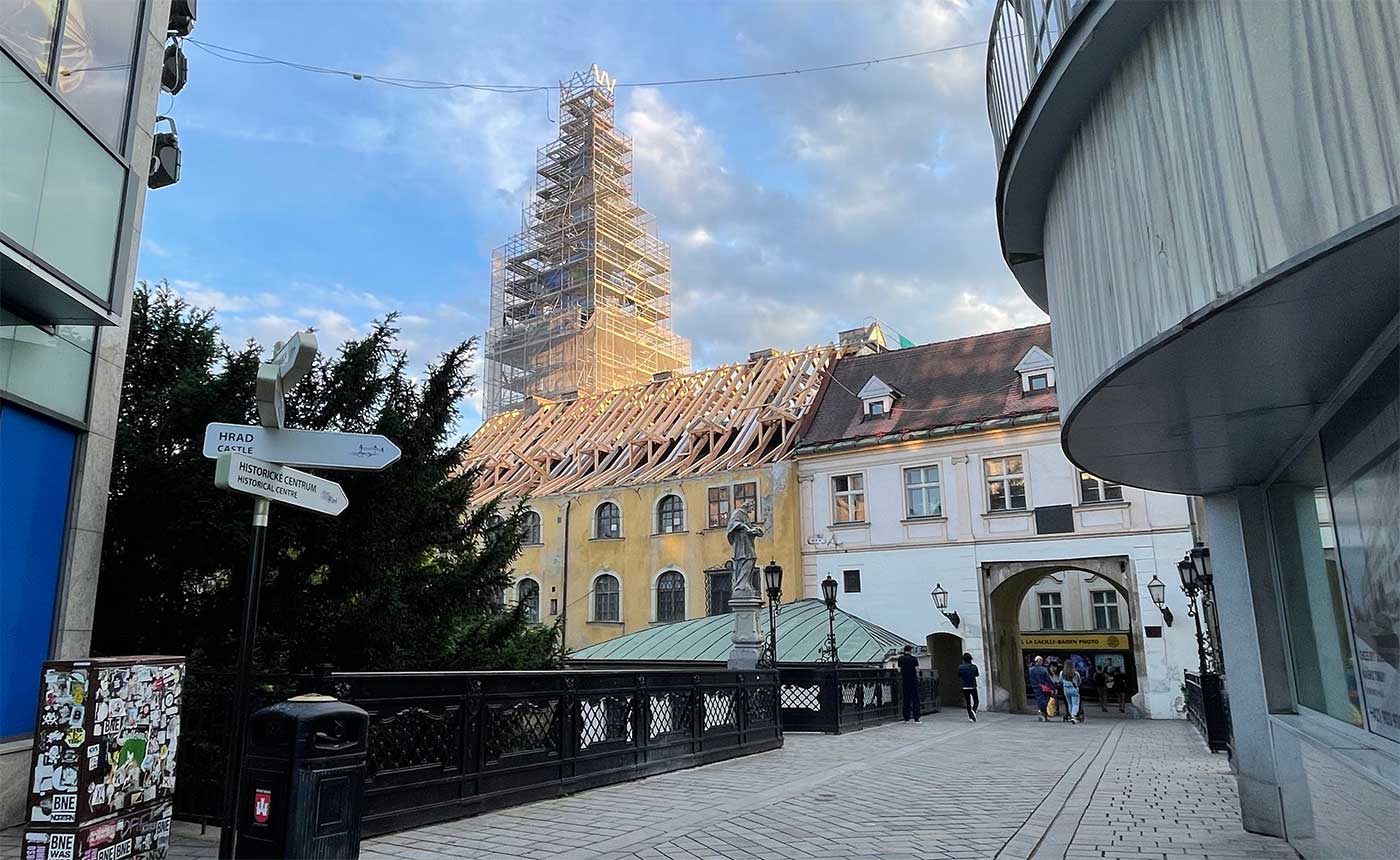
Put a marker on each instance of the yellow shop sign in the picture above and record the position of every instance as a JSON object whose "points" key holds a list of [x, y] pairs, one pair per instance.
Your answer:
{"points": [[1070, 641]]}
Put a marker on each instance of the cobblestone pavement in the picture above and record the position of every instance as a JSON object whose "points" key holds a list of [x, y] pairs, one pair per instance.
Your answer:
{"points": [[1007, 788]]}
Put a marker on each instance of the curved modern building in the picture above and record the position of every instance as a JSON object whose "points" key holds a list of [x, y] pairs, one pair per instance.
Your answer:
{"points": [[1205, 197]]}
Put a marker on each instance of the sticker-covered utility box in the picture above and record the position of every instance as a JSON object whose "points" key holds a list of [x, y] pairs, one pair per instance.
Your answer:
{"points": [[105, 746]]}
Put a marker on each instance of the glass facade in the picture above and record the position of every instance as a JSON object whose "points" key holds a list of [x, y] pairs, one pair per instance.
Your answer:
{"points": [[27, 30], [1324, 667], [95, 59], [62, 190], [48, 370], [1361, 453]]}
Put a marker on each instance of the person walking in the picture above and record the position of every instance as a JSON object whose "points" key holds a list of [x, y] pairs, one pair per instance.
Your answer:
{"points": [[967, 673], [1118, 683], [1053, 707], [1070, 680], [909, 676], [1040, 685]]}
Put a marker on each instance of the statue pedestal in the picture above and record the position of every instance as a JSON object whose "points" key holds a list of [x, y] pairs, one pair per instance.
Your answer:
{"points": [[748, 640]]}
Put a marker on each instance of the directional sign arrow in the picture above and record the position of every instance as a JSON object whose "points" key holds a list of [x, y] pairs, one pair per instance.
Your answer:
{"points": [[325, 449], [278, 483]]}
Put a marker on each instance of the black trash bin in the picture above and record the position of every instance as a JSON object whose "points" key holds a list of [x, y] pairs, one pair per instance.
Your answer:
{"points": [[303, 781]]}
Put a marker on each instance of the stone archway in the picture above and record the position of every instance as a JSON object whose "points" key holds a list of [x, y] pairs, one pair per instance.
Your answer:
{"points": [[1004, 585]]}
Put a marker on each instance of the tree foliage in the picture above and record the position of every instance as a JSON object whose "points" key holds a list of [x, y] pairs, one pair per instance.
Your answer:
{"points": [[409, 577]]}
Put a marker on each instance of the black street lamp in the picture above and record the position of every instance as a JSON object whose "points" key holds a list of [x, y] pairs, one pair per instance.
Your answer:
{"points": [[1196, 579], [1158, 590], [940, 600], [773, 580], [828, 653]]}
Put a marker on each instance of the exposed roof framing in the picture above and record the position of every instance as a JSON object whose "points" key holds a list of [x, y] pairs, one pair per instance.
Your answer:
{"points": [[736, 416]]}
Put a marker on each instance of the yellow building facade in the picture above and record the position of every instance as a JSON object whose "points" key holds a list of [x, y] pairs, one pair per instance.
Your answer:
{"points": [[642, 554], [630, 491]]}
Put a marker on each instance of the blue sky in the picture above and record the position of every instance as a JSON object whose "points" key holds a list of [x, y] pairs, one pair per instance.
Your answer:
{"points": [[795, 206]]}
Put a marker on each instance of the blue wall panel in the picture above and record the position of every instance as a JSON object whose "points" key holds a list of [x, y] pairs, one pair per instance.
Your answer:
{"points": [[36, 467]]}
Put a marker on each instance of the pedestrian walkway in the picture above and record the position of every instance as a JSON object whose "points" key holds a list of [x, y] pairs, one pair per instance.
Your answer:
{"points": [[1007, 788]]}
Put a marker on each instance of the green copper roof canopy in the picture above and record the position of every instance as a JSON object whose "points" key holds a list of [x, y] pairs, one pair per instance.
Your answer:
{"points": [[801, 632]]}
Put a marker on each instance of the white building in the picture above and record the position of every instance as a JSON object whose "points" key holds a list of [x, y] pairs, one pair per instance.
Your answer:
{"points": [[941, 465]]}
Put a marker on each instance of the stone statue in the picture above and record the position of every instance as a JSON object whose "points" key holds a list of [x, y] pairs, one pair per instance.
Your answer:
{"points": [[741, 534]]}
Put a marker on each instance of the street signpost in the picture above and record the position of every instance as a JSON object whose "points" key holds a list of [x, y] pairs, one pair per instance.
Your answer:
{"points": [[279, 484], [323, 449], [255, 460]]}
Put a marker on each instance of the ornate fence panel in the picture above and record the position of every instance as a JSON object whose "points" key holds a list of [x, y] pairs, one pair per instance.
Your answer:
{"points": [[445, 745], [1208, 708], [835, 700]]}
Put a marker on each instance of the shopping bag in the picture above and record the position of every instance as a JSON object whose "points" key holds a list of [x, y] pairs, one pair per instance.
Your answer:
{"points": [[1050, 707]]}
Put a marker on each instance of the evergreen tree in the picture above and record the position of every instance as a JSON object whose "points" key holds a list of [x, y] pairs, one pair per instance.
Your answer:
{"points": [[410, 576]]}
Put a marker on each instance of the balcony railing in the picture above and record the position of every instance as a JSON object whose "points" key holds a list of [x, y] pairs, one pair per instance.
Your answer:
{"points": [[445, 745], [1024, 35], [1208, 707], [836, 700]]}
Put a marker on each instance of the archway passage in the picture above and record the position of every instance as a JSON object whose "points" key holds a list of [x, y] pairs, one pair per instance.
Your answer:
{"points": [[945, 652], [1004, 587]]}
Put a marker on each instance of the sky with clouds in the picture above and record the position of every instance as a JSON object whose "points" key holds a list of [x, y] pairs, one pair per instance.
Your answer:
{"points": [[800, 205]]}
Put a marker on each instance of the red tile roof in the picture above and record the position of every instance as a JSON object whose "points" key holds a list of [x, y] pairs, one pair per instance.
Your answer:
{"points": [[943, 384]]}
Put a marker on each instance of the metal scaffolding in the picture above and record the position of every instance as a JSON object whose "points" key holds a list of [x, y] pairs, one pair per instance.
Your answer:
{"points": [[581, 297]]}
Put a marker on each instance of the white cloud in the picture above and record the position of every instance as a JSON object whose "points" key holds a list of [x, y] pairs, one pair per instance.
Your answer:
{"points": [[199, 295]]}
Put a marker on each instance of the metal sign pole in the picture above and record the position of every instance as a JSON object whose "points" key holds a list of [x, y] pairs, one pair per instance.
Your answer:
{"points": [[251, 592]]}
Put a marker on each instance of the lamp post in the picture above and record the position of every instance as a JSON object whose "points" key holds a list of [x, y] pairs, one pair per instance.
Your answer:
{"points": [[1195, 579], [773, 582], [940, 600], [1158, 590], [828, 653]]}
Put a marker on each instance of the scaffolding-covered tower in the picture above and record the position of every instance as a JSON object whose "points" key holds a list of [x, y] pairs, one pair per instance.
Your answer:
{"points": [[581, 298]]}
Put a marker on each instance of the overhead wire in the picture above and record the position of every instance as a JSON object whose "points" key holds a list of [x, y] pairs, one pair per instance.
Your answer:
{"points": [[236, 55]]}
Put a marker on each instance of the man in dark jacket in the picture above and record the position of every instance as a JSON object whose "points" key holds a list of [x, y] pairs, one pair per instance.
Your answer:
{"points": [[1041, 686], [967, 675], [909, 676]]}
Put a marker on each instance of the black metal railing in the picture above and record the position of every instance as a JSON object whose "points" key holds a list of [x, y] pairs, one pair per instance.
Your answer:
{"points": [[1024, 34], [445, 745], [835, 700], [1208, 708]]}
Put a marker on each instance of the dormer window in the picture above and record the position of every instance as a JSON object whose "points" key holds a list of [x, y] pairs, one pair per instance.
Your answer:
{"points": [[1037, 371], [877, 399]]}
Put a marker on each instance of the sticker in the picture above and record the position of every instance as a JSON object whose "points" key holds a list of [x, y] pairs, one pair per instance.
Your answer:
{"points": [[64, 811], [262, 805], [101, 834], [61, 845], [75, 737], [94, 754]]}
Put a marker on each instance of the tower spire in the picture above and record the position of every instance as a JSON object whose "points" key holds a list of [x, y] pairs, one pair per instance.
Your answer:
{"points": [[581, 297]]}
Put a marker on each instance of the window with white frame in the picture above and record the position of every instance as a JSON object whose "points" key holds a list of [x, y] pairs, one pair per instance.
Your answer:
{"points": [[607, 521], [670, 596], [1105, 610], [670, 515], [877, 398], [531, 533], [1038, 381], [848, 498], [527, 593], [1093, 489], [1006, 483], [1052, 611], [922, 495], [607, 598]]}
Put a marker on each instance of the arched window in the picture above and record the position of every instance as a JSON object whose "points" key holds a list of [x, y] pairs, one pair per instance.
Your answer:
{"points": [[527, 591], [607, 598], [670, 596], [670, 515], [530, 531], [607, 521]]}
